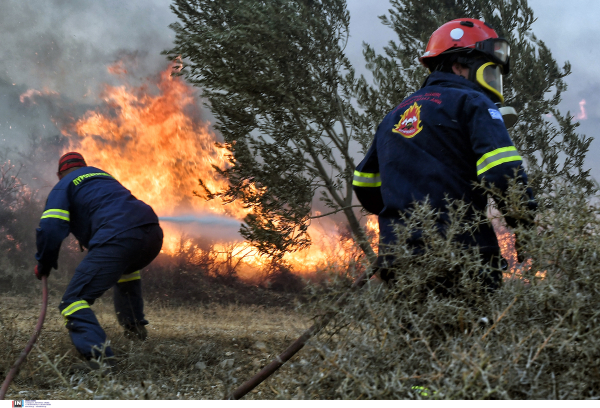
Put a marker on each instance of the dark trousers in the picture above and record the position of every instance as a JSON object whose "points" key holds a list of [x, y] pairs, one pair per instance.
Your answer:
{"points": [[115, 263]]}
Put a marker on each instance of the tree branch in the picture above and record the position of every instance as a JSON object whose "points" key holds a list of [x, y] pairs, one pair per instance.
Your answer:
{"points": [[334, 212]]}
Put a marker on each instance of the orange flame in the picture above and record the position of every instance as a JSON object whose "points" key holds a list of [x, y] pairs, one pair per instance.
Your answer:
{"points": [[157, 146], [507, 240], [29, 95], [153, 147]]}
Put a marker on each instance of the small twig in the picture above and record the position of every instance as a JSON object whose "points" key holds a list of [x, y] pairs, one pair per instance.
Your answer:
{"points": [[334, 212], [424, 340], [543, 345], [376, 323], [348, 374], [53, 365], [481, 374], [499, 318]]}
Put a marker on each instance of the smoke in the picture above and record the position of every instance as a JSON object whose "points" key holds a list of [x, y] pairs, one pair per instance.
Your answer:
{"points": [[54, 65], [64, 47], [208, 227]]}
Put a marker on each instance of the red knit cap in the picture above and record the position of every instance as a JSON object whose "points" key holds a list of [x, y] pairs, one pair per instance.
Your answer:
{"points": [[71, 159]]}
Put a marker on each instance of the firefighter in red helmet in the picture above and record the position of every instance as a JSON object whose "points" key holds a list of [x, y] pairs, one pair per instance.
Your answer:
{"points": [[444, 139], [478, 50], [122, 235]]}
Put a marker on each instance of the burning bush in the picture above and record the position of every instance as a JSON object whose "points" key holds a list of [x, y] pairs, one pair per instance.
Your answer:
{"points": [[199, 271]]}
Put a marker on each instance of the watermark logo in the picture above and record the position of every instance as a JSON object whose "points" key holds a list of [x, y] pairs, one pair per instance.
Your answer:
{"points": [[18, 404]]}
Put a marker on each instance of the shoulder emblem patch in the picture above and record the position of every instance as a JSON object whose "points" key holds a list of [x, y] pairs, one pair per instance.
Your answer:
{"points": [[410, 122], [495, 114]]}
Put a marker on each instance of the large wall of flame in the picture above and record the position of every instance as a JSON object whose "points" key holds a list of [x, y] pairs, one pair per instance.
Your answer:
{"points": [[152, 139], [153, 142]]}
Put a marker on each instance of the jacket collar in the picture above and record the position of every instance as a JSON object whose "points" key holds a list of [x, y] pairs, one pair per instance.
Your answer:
{"points": [[450, 80]]}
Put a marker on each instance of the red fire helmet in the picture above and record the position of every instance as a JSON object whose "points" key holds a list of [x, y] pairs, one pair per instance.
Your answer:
{"points": [[464, 34], [69, 160]]}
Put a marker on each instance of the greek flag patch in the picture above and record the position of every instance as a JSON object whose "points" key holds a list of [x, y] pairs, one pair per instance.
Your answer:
{"points": [[495, 114]]}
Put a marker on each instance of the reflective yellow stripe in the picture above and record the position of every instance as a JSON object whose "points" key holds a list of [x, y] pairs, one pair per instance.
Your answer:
{"points": [[366, 179], [88, 175], [56, 213], [73, 307], [424, 392], [369, 175], [130, 277], [496, 157]]}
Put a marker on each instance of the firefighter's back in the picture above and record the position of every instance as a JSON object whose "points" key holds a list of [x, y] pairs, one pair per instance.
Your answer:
{"points": [[101, 207]]}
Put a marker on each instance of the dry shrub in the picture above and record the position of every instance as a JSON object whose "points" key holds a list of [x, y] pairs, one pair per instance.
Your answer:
{"points": [[278, 276], [17, 228], [22, 174], [535, 338]]}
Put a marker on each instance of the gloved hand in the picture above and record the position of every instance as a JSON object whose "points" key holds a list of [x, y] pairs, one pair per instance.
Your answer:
{"points": [[39, 272]]}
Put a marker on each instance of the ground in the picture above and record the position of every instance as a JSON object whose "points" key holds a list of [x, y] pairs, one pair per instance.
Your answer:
{"points": [[192, 351]]}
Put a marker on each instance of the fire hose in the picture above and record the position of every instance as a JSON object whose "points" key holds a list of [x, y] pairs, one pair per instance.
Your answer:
{"points": [[293, 348], [32, 340]]}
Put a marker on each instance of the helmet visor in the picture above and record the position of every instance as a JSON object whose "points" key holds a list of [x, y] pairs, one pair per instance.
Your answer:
{"points": [[489, 76], [501, 51], [497, 49]]}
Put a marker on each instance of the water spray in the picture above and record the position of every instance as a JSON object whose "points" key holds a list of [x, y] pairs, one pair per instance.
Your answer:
{"points": [[32, 340], [209, 220]]}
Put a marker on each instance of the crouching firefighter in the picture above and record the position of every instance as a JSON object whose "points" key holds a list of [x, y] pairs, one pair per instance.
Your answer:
{"points": [[446, 137], [122, 236]]}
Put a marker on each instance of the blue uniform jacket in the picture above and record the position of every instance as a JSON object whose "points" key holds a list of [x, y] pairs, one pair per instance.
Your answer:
{"points": [[437, 142], [92, 205]]}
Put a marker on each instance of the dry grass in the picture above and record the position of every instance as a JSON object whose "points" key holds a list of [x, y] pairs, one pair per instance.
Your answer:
{"points": [[192, 352]]}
